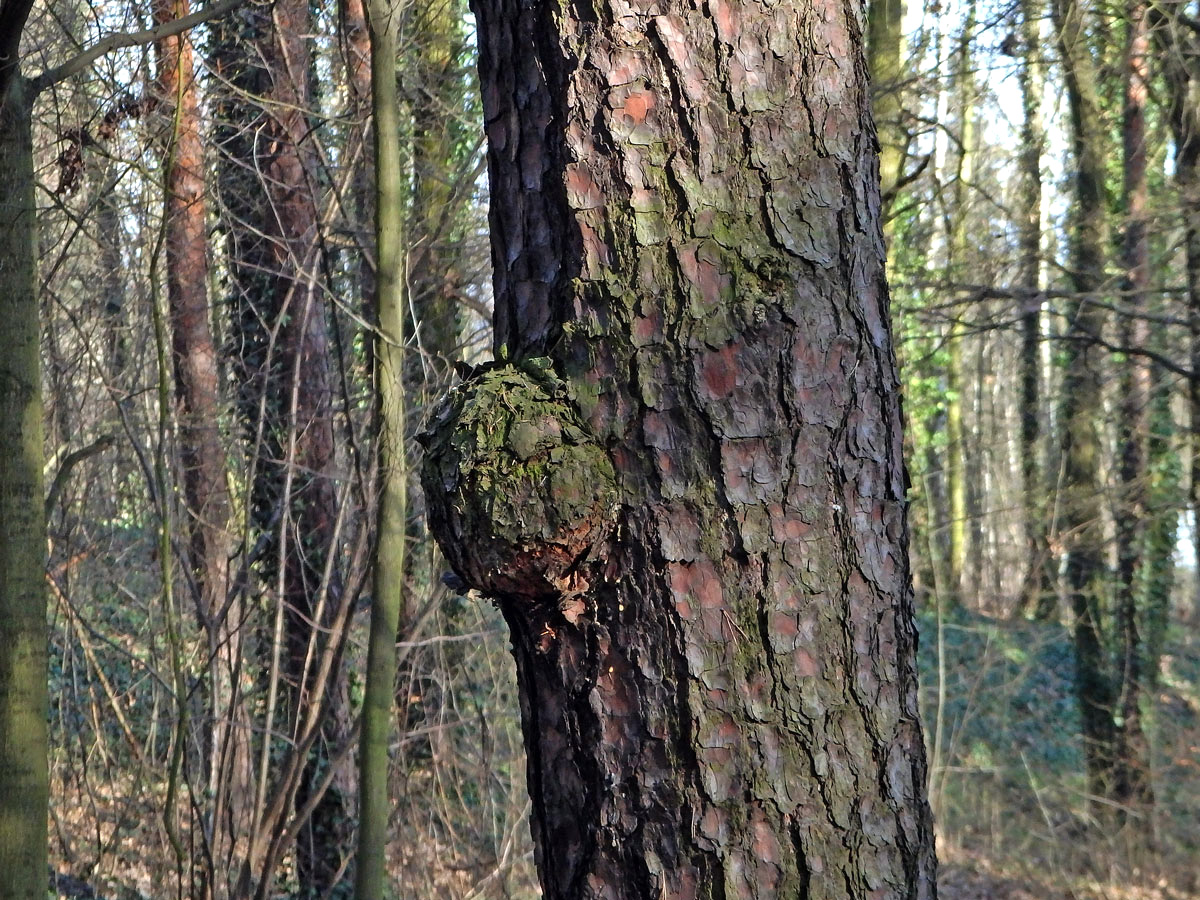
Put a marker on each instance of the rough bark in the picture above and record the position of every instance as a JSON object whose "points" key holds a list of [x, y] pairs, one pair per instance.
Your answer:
{"points": [[1086, 571], [24, 787], [685, 486]]}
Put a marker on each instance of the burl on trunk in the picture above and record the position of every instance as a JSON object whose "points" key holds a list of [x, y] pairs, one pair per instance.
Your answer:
{"points": [[682, 479]]}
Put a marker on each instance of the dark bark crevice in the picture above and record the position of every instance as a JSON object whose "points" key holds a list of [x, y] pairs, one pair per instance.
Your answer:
{"points": [[723, 340]]}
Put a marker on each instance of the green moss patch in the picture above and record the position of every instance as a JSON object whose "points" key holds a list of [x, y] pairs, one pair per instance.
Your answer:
{"points": [[519, 495]]}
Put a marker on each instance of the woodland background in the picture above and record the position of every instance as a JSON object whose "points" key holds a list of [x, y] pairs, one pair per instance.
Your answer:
{"points": [[209, 538]]}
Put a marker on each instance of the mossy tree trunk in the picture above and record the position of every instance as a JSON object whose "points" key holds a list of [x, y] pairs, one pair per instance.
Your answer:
{"points": [[1038, 590], [24, 787], [958, 462], [1176, 43], [1164, 500], [441, 164], [387, 601], [1082, 405], [1131, 777], [685, 485], [444, 156], [885, 46]]}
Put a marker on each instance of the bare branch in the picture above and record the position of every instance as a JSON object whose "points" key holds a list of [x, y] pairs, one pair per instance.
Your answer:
{"points": [[99, 445], [13, 14], [79, 63]]}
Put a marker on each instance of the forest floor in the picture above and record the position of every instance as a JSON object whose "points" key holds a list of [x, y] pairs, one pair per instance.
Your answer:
{"points": [[963, 878], [1014, 819]]}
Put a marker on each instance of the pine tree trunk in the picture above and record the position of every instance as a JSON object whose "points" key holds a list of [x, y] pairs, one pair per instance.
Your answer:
{"points": [[23, 668], [685, 488], [205, 483]]}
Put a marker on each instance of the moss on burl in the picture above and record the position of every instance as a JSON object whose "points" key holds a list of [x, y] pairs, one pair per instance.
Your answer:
{"points": [[518, 494]]}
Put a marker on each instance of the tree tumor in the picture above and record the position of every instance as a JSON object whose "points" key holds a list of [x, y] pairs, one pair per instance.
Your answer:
{"points": [[519, 495]]}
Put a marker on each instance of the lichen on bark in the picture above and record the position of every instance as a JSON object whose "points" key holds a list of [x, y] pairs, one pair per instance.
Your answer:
{"points": [[520, 495]]}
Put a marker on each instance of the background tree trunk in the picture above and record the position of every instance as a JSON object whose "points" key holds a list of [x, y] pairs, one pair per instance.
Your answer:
{"points": [[1176, 44], [1082, 408], [203, 455], [389, 594], [270, 190], [1038, 592], [24, 780], [692, 512], [885, 46], [1131, 777]]}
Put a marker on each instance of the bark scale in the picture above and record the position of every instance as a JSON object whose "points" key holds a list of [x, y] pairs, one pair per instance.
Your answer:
{"points": [[694, 454]]}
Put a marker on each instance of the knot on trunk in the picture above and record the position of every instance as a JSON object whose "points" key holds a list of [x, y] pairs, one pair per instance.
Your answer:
{"points": [[519, 495]]}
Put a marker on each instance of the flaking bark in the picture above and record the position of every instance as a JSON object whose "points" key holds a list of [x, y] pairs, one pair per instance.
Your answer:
{"points": [[685, 222]]}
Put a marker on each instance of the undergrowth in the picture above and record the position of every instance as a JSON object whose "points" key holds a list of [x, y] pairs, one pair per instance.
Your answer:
{"points": [[1007, 775]]}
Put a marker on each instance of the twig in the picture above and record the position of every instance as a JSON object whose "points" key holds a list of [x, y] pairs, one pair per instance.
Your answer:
{"points": [[77, 64], [99, 445]]}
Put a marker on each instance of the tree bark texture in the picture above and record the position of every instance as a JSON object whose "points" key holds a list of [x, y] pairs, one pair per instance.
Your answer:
{"points": [[24, 781], [682, 479]]}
